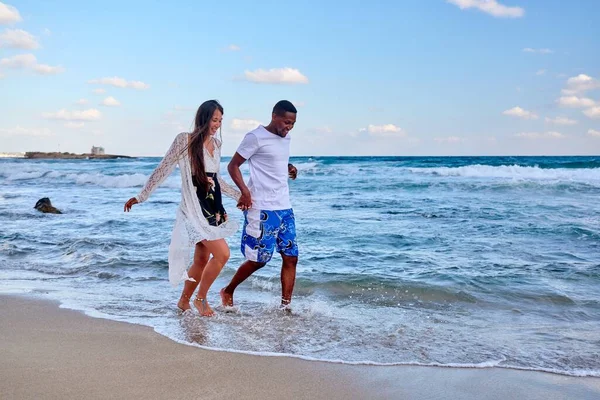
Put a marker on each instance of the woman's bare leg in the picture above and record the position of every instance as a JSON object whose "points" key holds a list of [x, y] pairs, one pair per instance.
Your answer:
{"points": [[220, 254], [201, 255]]}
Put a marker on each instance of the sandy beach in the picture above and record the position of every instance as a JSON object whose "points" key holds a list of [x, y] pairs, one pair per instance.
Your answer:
{"points": [[53, 353]]}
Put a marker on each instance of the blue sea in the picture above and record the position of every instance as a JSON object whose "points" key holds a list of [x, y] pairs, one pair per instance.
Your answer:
{"points": [[448, 261]]}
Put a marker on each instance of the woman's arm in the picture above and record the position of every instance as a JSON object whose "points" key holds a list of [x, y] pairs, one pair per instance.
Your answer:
{"points": [[162, 171], [227, 189]]}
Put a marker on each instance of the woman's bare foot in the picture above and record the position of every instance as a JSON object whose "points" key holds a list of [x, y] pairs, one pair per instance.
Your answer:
{"points": [[203, 307], [184, 303], [226, 298]]}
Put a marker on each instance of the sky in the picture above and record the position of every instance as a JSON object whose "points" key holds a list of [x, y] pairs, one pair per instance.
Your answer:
{"points": [[410, 77]]}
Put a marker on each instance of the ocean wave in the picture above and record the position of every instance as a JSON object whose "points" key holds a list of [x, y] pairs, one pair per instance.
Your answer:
{"points": [[515, 172], [498, 362], [546, 162], [378, 292], [85, 178], [307, 167], [10, 249], [387, 174]]}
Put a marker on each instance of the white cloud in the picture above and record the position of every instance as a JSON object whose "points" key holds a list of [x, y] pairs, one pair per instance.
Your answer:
{"points": [[20, 131], [276, 75], [99, 91], [19, 61], [81, 101], [245, 125], [520, 113], [593, 112], [593, 132], [575, 102], [120, 82], [538, 51], [538, 135], [74, 125], [18, 39], [561, 121], [47, 32], [111, 102], [491, 7], [580, 84], [233, 47], [9, 14], [540, 72], [29, 61], [87, 115], [387, 130], [138, 85], [44, 69], [448, 140]]}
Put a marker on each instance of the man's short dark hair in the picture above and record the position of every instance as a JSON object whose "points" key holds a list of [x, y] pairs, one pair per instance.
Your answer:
{"points": [[284, 106]]}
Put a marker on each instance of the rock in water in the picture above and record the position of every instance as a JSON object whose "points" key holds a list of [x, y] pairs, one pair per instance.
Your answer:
{"points": [[44, 205]]}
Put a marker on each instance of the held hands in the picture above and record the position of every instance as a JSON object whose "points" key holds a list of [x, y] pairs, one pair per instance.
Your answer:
{"points": [[130, 204], [245, 201], [292, 171]]}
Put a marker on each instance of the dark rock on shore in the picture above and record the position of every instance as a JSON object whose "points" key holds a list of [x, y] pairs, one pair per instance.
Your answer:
{"points": [[44, 205]]}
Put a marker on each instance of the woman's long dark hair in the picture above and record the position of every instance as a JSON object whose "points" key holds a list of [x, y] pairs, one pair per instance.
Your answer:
{"points": [[198, 136]]}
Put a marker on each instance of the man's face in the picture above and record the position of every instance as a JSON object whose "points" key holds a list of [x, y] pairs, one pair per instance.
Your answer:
{"points": [[284, 123]]}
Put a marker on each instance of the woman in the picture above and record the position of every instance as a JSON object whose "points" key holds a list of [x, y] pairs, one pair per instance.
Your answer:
{"points": [[201, 219]]}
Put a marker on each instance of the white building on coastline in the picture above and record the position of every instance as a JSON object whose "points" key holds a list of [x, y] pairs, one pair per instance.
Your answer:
{"points": [[97, 150]]}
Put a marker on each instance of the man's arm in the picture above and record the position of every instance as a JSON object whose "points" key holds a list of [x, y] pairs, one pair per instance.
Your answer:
{"points": [[245, 200]]}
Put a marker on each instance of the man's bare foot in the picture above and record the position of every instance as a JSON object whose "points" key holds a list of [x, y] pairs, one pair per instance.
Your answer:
{"points": [[203, 307], [286, 306], [226, 298]]}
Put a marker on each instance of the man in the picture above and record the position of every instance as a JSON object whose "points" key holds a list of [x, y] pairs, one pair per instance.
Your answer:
{"points": [[268, 216]]}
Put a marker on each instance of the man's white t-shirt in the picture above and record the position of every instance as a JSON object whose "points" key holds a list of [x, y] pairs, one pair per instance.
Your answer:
{"points": [[268, 155]]}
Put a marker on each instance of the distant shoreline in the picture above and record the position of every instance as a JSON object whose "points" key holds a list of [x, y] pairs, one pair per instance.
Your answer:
{"points": [[71, 156]]}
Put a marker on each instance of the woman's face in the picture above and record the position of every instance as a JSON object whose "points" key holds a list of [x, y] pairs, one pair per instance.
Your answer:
{"points": [[215, 122]]}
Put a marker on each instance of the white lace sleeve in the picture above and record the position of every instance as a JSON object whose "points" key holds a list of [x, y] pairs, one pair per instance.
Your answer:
{"points": [[226, 188], [162, 171]]}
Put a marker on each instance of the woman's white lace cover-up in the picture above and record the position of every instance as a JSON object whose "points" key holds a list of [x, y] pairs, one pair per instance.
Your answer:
{"points": [[191, 226]]}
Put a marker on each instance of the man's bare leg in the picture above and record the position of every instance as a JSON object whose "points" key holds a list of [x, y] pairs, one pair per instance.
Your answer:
{"points": [[288, 279], [244, 271]]}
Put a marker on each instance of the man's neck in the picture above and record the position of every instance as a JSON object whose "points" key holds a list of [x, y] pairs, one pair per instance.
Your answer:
{"points": [[272, 130]]}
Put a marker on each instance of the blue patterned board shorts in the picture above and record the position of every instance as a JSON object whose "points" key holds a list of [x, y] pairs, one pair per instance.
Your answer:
{"points": [[267, 231]]}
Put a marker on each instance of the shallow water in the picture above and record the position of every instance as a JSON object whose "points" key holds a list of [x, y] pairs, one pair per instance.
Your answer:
{"points": [[458, 261]]}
